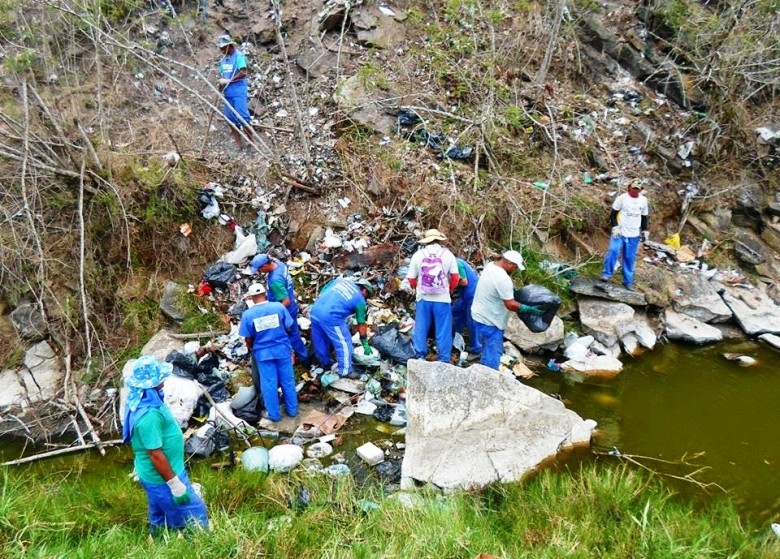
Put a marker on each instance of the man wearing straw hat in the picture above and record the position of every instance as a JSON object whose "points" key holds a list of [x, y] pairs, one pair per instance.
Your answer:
{"points": [[433, 274], [158, 446]]}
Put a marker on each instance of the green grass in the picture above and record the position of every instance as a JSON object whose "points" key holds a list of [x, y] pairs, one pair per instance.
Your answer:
{"points": [[593, 512]]}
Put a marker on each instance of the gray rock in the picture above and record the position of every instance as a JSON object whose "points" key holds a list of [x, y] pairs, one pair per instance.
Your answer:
{"points": [[472, 427], [771, 236], [686, 328], [42, 376], [749, 247], [755, 312], [12, 391], [750, 198], [774, 208], [317, 63], [364, 106], [605, 320], [519, 334], [719, 220], [161, 344], [694, 295], [606, 290], [28, 322], [376, 29], [169, 302], [771, 339]]}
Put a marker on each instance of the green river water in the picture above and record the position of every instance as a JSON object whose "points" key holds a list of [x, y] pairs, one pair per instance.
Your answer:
{"points": [[672, 402]]}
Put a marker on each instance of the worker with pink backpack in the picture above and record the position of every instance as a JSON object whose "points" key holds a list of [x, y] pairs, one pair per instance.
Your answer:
{"points": [[433, 274]]}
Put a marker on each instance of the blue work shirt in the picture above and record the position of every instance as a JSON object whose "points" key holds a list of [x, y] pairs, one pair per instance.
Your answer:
{"points": [[267, 323], [282, 275], [229, 66], [339, 299], [471, 278]]}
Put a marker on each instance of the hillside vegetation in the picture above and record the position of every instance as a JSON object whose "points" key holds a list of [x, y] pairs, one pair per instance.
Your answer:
{"points": [[562, 103]]}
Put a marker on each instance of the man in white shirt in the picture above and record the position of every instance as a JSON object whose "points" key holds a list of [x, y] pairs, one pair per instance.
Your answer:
{"points": [[493, 300], [629, 224], [433, 274]]}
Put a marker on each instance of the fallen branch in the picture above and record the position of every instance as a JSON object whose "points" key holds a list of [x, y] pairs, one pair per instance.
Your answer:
{"points": [[59, 452], [197, 335]]}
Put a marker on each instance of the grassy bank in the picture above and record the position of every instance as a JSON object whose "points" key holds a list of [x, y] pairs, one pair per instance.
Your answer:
{"points": [[593, 512]]}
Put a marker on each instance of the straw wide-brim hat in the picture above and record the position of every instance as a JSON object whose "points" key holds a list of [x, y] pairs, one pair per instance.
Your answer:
{"points": [[432, 235]]}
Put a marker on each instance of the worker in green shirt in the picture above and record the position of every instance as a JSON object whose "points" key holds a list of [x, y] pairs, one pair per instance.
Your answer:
{"points": [[158, 446]]}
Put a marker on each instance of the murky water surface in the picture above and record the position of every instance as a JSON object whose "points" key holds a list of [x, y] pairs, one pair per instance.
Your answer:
{"points": [[677, 401]]}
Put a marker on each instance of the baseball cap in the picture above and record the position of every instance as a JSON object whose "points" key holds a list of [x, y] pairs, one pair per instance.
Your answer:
{"points": [[515, 258], [255, 289], [258, 262]]}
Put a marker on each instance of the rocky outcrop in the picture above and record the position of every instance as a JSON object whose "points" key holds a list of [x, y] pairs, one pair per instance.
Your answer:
{"points": [[471, 427], [606, 290], [695, 296], [363, 106], [686, 328], [38, 380], [169, 302], [755, 312], [530, 342], [28, 322], [606, 321]]}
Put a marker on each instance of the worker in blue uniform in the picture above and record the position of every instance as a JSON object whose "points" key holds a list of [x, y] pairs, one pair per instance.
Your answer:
{"points": [[265, 327], [462, 299], [337, 301], [280, 288]]}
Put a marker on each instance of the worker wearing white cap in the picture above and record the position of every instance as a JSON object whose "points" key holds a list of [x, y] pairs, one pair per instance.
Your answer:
{"points": [[493, 300], [265, 327]]}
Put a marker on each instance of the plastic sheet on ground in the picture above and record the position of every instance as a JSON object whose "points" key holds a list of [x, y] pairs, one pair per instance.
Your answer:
{"points": [[326, 423]]}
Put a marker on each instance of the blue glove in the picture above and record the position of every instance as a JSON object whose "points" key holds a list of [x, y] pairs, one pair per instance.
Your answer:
{"points": [[530, 309]]}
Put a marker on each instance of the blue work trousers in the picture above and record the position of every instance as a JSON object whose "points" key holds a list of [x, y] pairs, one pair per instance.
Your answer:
{"points": [[164, 513], [628, 246], [336, 336], [294, 335], [492, 340], [461, 318], [237, 104], [439, 315], [275, 374]]}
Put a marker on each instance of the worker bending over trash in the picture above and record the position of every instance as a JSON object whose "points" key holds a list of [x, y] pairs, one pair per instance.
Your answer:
{"points": [[336, 302], [265, 327], [280, 288], [462, 299], [493, 300]]}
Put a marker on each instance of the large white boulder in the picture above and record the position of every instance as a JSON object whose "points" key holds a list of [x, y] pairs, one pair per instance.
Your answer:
{"points": [[42, 374], [694, 295], [471, 427]]}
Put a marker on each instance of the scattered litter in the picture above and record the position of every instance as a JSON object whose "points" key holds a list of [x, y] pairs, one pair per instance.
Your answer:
{"points": [[255, 459], [370, 454], [284, 457]]}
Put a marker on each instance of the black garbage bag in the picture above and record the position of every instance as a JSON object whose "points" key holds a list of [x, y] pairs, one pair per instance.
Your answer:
{"points": [[183, 366], [250, 412], [204, 372], [542, 297], [408, 118], [218, 392], [459, 153], [204, 447], [392, 345], [219, 274], [384, 413]]}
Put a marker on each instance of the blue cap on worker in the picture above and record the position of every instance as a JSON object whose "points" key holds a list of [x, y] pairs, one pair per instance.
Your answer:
{"points": [[258, 262]]}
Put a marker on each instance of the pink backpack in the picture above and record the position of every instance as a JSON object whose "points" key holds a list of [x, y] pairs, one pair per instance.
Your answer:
{"points": [[433, 279]]}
